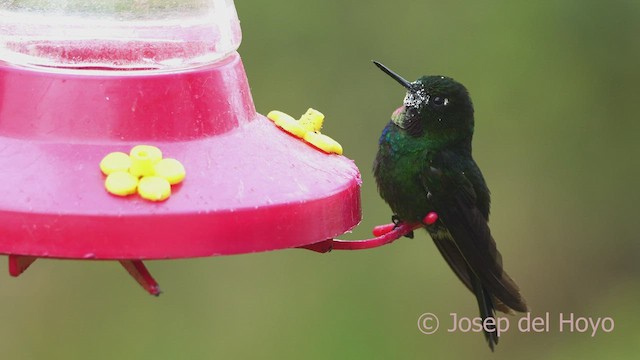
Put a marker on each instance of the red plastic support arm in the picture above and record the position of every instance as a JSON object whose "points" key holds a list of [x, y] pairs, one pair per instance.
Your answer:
{"points": [[140, 273], [384, 234], [18, 264]]}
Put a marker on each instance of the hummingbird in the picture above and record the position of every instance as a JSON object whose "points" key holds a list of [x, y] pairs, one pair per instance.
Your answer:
{"points": [[424, 165]]}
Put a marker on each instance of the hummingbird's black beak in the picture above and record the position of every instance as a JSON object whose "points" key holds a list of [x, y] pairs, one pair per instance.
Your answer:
{"points": [[395, 76]]}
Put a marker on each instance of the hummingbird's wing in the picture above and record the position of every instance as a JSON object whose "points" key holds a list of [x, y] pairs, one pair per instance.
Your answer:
{"points": [[454, 198], [450, 252]]}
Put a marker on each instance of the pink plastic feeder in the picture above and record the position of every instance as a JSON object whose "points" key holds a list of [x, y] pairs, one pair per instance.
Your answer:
{"points": [[75, 86], [81, 81]]}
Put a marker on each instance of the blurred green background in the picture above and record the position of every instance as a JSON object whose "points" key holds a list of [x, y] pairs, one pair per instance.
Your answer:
{"points": [[555, 88]]}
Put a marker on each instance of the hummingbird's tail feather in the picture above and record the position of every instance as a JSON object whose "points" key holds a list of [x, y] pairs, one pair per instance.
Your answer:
{"points": [[468, 230], [488, 303], [512, 288], [462, 221], [487, 310], [457, 263]]}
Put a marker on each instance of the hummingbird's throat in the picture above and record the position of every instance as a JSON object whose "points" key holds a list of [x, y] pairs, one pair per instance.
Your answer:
{"points": [[415, 98], [398, 116]]}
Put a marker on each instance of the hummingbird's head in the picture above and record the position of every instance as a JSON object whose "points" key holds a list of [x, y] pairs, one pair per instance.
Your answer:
{"points": [[435, 106]]}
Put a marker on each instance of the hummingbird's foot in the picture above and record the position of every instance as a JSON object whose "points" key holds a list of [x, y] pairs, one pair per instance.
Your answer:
{"points": [[396, 221]]}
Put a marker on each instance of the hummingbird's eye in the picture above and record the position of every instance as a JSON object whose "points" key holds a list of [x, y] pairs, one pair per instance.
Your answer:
{"points": [[440, 101]]}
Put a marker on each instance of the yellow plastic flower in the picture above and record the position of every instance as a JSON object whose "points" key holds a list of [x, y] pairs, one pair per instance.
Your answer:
{"points": [[154, 188], [121, 183], [287, 123], [312, 120], [307, 128], [323, 142], [170, 169], [116, 161], [143, 170], [143, 157]]}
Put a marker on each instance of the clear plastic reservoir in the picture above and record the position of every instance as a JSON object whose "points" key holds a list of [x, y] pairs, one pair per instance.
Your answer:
{"points": [[117, 34]]}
